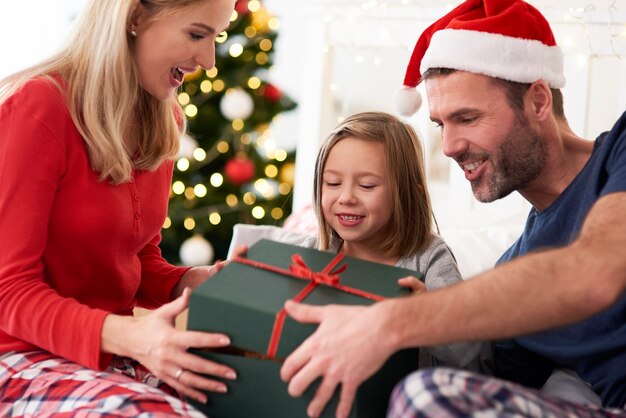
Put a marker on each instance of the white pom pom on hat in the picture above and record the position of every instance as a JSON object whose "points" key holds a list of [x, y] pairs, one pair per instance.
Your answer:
{"points": [[408, 101], [507, 39]]}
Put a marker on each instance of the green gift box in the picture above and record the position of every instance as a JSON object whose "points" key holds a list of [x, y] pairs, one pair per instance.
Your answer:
{"points": [[243, 301]]}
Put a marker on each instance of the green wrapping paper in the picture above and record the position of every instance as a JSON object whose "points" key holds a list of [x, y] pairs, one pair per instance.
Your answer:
{"points": [[243, 301]]}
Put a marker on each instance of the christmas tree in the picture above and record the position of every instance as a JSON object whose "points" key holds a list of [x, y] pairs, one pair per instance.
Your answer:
{"points": [[229, 169]]}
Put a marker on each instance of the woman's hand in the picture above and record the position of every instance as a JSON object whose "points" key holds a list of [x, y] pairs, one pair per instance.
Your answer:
{"points": [[195, 276], [412, 283], [155, 342], [240, 251]]}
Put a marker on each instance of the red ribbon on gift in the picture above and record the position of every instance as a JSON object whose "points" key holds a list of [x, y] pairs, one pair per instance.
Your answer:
{"points": [[299, 269]]}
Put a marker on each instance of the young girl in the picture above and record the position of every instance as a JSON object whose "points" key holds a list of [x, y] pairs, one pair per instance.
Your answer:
{"points": [[80, 227], [371, 201]]}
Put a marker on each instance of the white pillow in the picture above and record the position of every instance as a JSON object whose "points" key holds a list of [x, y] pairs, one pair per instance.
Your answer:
{"points": [[477, 249], [244, 234]]}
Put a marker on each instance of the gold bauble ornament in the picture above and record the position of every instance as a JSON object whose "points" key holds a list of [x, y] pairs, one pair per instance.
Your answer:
{"points": [[288, 173], [261, 20]]}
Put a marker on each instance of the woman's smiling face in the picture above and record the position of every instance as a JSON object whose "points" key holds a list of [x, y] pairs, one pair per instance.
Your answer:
{"points": [[167, 48]]}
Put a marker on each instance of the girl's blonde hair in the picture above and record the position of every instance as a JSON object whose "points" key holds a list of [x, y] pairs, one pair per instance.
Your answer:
{"points": [[410, 226], [101, 86]]}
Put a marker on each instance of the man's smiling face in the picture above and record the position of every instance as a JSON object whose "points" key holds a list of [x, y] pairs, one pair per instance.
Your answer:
{"points": [[493, 144]]}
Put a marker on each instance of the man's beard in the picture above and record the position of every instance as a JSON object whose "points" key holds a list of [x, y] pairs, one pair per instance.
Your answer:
{"points": [[518, 161]]}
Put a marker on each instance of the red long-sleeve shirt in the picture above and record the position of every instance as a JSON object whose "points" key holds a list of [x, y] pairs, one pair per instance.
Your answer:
{"points": [[72, 248]]}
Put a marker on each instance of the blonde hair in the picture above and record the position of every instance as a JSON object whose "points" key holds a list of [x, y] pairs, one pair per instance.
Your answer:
{"points": [[410, 226], [102, 89]]}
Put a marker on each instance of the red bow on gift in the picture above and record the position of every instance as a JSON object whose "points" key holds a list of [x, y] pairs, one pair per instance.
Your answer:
{"points": [[299, 270]]}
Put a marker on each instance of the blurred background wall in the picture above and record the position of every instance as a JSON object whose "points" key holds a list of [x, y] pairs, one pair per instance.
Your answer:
{"points": [[338, 57]]}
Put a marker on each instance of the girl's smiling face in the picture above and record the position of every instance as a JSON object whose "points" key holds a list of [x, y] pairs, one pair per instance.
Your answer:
{"points": [[167, 48], [356, 193]]}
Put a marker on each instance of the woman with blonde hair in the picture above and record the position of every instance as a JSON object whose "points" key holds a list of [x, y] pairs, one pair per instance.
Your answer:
{"points": [[81, 225]]}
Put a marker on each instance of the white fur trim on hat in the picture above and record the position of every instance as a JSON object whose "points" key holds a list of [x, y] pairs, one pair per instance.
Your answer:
{"points": [[495, 55], [408, 100]]}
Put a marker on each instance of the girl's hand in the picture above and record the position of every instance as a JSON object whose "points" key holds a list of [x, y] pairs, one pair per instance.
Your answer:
{"points": [[412, 283], [155, 342]]}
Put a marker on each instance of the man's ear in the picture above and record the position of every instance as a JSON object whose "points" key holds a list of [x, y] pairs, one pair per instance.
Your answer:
{"points": [[539, 100]]}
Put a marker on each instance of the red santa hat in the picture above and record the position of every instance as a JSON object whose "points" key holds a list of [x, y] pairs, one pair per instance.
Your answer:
{"points": [[507, 39]]}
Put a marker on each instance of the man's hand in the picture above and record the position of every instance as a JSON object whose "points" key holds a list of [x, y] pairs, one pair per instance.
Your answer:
{"points": [[336, 352]]}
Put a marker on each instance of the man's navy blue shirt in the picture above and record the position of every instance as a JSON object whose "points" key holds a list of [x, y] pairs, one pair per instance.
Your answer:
{"points": [[596, 347]]}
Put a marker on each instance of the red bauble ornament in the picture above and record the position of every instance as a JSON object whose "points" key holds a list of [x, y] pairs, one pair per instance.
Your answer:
{"points": [[241, 6], [239, 170], [272, 93]]}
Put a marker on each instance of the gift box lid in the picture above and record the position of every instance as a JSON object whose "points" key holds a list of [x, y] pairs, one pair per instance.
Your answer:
{"points": [[242, 301]]}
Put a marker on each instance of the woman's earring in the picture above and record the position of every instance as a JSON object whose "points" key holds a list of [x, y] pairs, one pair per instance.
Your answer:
{"points": [[133, 33]]}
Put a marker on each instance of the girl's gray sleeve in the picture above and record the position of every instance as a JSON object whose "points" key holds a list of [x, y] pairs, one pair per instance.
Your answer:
{"points": [[439, 266], [440, 270]]}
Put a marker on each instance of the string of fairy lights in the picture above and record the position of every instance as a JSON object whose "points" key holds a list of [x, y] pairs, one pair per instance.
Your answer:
{"points": [[367, 27], [276, 181], [366, 34], [364, 29]]}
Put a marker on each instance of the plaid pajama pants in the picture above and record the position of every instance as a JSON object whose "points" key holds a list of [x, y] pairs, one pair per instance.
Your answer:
{"points": [[455, 393], [39, 384]]}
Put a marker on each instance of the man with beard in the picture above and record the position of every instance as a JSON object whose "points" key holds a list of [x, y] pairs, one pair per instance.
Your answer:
{"points": [[492, 72]]}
